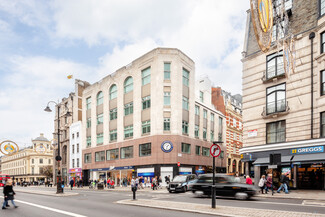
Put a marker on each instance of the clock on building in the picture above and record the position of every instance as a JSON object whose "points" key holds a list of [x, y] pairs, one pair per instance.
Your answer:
{"points": [[167, 146]]}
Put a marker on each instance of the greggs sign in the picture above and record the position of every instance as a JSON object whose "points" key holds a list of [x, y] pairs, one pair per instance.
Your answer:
{"points": [[308, 150]]}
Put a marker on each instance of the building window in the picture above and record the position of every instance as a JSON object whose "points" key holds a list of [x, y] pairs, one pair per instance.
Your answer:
{"points": [[277, 31], [197, 110], [113, 92], [113, 114], [99, 156], [128, 131], [211, 135], [322, 87], [321, 7], [100, 98], [205, 133], [220, 129], [145, 127], [100, 138], [128, 109], [32, 161], [166, 98], [145, 149], [77, 134], [198, 150], [166, 71], [72, 135], [88, 103], [128, 85], [205, 152], [212, 117], [127, 152], [113, 135], [234, 122], [78, 148], [274, 65], [322, 124], [41, 161], [88, 141], [72, 149], [275, 132], [221, 154], [185, 127], [145, 102], [275, 99], [166, 124], [100, 119], [145, 76], [201, 96], [72, 163], [77, 162], [186, 77], [32, 170], [186, 148], [49, 161], [88, 122], [112, 154], [87, 158], [196, 131], [205, 114], [185, 103]]}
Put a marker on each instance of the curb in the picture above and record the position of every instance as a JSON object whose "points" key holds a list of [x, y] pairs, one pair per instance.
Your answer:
{"points": [[290, 197], [47, 194]]}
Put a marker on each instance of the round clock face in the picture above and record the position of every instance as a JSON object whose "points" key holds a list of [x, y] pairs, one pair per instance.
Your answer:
{"points": [[167, 146]]}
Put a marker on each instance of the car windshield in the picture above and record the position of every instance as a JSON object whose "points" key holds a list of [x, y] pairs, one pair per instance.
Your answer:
{"points": [[179, 179]]}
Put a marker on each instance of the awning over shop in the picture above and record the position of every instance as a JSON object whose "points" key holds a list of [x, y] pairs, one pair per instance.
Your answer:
{"points": [[266, 160], [309, 157]]}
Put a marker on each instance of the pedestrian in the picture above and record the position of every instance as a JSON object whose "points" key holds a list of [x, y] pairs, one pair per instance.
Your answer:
{"points": [[261, 183], [137, 183], [284, 183], [269, 183], [71, 183], [159, 182], [249, 180], [237, 179], [141, 182], [8, 195]]}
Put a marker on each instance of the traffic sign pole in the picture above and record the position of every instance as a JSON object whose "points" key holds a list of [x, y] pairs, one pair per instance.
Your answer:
{"points": [[215, 151]]}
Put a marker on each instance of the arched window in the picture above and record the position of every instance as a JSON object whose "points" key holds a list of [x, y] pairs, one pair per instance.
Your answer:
{"points": [[100, 98], [128, 84], [113, 92]]}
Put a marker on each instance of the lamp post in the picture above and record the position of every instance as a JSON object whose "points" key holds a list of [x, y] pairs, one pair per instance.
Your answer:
{"points": [[215, 151], [58, 158]]}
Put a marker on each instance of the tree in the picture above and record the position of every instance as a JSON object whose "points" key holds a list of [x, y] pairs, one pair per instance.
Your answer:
{"points": [[47, 171]]}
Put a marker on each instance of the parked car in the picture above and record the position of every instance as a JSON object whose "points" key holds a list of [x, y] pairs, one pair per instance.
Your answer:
{"points": [[181, 183], [225, 186]]}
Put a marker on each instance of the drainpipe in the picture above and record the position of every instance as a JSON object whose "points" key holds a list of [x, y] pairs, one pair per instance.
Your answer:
{"points": [[311, 37]]}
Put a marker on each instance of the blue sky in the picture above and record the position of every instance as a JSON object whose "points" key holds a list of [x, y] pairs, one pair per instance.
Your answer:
{"points": [[41, 42]]}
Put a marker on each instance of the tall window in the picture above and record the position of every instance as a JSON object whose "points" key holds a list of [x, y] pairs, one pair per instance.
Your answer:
{"points": [[201, 96], [100, 119], [100, 138], [87, 158], [88, 103], [185, 103], [88, 141], [211, 135], [33, 170], [145, 102], [322, 87], [220, 129], [113, 92], [100, 97], [145, 127], [72, 149], [112, 154], [277, 31], [72, 163], [113, 135], [166, 98], [197, 110], [49, 161], [127, 152], [113, 114], [145, 76], [275, 132], [128, 85], [77, 147], [88, 122], [274, 65], [321, 7], [128, 108], [205, 114], [99, 156], [322, 124], [205, 152], [196, 130], [186, 148], [41, 161], [128, 131], [185, 127], [166, 124], [166, 71], [198, 150], [32, 161], [77, 162], [145, 149], [212, 117], [275, 99], [234, 122], [204, 133], [186, 77]]}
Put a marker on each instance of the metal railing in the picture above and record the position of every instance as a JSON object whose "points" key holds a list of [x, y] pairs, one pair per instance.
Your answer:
{"points": [[278, 107]]}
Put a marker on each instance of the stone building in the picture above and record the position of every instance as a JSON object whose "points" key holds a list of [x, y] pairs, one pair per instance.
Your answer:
{"points": [[283, 113], [231, 107], [145, 119]]}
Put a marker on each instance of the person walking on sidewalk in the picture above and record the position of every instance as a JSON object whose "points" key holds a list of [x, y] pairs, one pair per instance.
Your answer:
{"points": [[269, 183], [284, 183], [8, 195], [237, 179], [71, 183], [261, 183], [249, 180]]}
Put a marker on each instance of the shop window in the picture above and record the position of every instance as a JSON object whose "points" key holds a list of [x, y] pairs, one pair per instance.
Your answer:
{"points": [[127, 152], [112, 154], [99, 156], [145, 149]]}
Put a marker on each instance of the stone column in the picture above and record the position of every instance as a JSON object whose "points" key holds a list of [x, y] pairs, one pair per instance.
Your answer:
{"points": [[257, 176]]}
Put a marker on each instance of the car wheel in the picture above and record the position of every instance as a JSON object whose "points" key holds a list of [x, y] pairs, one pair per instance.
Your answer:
{"points": [[241, 196], [170, 191]]}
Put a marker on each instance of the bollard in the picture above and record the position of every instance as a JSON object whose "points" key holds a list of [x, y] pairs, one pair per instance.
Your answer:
{"points": [[134, 189]]}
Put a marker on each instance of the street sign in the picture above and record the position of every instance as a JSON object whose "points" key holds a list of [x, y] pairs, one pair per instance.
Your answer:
{"points": [[272, 166], [215, 150], [178, 163]]}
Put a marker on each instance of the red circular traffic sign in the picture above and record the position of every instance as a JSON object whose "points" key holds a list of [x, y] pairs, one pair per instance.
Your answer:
{"points": [[215, 150]]}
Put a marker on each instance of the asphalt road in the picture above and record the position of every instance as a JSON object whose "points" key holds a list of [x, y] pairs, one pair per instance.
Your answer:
{"points": [[101, 203]]}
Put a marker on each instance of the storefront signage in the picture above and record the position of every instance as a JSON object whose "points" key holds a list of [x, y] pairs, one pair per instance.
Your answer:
{"points": [[77, 170], [308, 150], [115, 168], [167, 146], [252, 133]]}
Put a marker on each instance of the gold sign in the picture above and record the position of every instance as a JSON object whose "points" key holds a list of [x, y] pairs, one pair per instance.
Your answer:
{"points": [[8, 147], [262, 19]]}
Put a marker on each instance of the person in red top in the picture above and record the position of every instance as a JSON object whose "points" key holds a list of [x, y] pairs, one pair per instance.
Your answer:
{"points": [[249, 180]]}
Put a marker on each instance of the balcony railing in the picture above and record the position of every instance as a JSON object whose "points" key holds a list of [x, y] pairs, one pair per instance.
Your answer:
{"points": [[271, 75], [277, 108]]}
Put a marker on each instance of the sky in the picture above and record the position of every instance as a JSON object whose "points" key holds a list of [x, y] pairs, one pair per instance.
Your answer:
{"points": [[42, 42]]}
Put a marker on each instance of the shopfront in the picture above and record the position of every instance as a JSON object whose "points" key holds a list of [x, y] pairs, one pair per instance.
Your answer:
{"points": [[117, 174], [75, 174]]}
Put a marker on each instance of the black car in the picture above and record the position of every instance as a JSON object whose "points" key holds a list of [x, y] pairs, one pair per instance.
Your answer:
{"points": [[181, 183], [225, 186]]}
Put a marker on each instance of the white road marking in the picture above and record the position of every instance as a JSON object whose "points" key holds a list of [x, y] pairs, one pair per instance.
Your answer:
{"points": [[51, 209]]}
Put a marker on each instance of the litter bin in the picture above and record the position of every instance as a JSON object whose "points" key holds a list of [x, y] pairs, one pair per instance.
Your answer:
{"points": [[100, 186]]}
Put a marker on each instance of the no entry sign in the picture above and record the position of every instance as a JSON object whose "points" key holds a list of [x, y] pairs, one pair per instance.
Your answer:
{"points": [[215, 150]]}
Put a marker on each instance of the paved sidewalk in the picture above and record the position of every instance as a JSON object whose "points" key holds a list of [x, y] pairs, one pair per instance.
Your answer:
{"points": [[297, 194], [47, 193], [219, 211]]}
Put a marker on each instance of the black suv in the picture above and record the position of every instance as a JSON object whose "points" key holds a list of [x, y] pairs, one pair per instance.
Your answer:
{"points": [[225, 186], [182, 183]]}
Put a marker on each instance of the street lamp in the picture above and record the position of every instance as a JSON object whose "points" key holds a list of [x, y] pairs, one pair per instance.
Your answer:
{"points": [[58, 158]]}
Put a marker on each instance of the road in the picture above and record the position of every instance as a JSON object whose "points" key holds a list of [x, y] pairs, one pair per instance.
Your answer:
{"points": [[102, 203]]}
